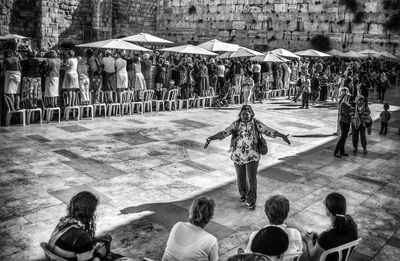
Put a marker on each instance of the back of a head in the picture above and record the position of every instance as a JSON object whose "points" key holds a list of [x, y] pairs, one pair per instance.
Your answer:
{"points": [[201, 211], [270, 241], [277, 209], [344, 224]]}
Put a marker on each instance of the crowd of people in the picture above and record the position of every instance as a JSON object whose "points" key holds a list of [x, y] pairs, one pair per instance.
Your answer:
{"points": [[32, 81], [74, 237]]}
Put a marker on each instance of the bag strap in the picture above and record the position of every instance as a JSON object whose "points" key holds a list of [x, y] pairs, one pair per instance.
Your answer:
{"points": [[56, 236], [258, 133]]}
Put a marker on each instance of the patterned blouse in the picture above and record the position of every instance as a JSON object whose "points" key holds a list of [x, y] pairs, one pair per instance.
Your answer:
{"points": [[244, 140]]}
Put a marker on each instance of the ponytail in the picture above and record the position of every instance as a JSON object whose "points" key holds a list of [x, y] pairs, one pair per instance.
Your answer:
{"points": [[344, 225]]}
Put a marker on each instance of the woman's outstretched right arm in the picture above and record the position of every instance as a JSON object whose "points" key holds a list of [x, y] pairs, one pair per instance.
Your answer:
{"points": [[222, 134]]}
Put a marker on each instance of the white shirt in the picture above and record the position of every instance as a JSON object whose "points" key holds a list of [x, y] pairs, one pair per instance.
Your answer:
{"points": [[295, 241], [109, 64], [188, 242]]}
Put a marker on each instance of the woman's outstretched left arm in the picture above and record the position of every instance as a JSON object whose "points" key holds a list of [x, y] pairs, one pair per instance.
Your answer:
{"points": [[264, 129]]}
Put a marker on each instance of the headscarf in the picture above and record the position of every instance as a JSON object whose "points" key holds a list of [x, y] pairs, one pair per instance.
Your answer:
{"points": [[358, 119]]}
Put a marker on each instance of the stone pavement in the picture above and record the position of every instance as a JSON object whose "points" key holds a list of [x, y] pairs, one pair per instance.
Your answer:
{"points": [[147, 169]]}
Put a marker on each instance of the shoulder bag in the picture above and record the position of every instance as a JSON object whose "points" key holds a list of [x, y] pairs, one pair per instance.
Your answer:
{"points": [[261, 143]]}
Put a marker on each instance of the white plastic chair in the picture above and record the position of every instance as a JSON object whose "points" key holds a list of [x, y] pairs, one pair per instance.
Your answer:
{"points": [[101, 105], [171, 99], [148, 100], [291, 256], [89, 108], [114, 107], [350, 247], [71, 108], [235, 94], [30, 113], [10, 111], [160, 103]]}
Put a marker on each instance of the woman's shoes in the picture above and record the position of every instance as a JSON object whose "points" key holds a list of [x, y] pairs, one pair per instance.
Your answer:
{"points": [[365, 151], [337, 155], [355, 150], [251, 206]]}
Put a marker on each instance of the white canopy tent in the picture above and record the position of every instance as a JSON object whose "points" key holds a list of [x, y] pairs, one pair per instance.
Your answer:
{"points": [[354, 55], [114, 44], [269, 57], [285, 53], [370, 53], [335, 52], [312, 53], [188, 49], [146, 38], [241, 52], [218, 46]]}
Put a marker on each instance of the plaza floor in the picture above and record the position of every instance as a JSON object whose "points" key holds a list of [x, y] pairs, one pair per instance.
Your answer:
{"points": [[147, 169]]}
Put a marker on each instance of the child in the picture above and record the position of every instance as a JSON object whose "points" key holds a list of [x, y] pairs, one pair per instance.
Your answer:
{"points": [[97, 84], [385, 117]]}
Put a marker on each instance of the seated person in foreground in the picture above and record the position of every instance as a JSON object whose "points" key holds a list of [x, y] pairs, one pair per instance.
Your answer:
{"points": [[277, 209], [271, 241], [188, 241], [73, 238], [342, 231]]}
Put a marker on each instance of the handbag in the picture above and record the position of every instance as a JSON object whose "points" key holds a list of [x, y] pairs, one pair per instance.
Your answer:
{"points": [[368, 122], [261, 143]]}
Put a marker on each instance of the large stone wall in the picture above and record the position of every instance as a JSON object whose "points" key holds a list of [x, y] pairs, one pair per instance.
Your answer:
{"points": [[268, 24], [134, 16], [53, 22], [19, 17]]}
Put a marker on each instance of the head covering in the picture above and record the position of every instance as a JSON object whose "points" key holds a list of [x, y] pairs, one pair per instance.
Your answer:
{"points": [[271, 241], [359, 97], [146, 56], [107, 52]]}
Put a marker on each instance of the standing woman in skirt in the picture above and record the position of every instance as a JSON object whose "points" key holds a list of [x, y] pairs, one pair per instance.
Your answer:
{"points": [[140, 83], [121, 74], [31, 90], [204, 83], [12, 77], [52, 73], [71, 81]]}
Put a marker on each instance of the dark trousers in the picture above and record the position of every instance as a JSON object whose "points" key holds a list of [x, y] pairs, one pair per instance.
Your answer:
{"points": [[358, 132], [344, 132], [247, 180], [382, 95], [384, 127], [220, 85], [305, 99]]}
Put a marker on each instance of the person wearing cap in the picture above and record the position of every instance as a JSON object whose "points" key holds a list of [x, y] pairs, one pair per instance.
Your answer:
{"points": [[343, 230], [109, 80], [245, 154], [277, 209], [361, 121], [271, 241]]}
